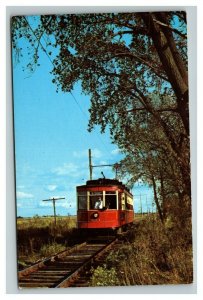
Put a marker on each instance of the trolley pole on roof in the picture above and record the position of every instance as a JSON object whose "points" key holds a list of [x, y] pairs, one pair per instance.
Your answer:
{"points": [[116, 166], [90, 163]]}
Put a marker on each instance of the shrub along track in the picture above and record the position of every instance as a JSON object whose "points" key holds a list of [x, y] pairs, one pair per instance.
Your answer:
{"points": [[65, 268]]}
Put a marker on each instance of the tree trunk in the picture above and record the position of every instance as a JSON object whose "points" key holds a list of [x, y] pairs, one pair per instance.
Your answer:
{"points": [[167, 52], [157, 200], [163, 196], [169, 35]]}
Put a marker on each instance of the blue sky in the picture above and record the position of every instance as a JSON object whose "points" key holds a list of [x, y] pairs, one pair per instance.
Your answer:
{"points": [[52, 142]]}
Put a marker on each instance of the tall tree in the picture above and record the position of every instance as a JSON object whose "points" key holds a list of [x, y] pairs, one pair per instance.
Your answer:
{"points": [[134, 67]]}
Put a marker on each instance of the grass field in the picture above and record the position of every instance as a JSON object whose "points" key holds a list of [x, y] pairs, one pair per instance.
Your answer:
{"points": [[43, 222], [38, 237], [40, 222], [151, 254]]}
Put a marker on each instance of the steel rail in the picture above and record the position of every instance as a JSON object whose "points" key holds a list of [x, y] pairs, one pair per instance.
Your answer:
{"points": [[62, 269], [43, 263], [69, 280]]}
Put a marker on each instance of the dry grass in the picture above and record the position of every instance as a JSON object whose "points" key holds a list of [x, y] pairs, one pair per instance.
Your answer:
{"points": [[152, 255], [42, 222], [38, 237]]}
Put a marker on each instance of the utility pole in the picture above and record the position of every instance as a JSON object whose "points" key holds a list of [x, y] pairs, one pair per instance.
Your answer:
{"points": [[54, 206]]}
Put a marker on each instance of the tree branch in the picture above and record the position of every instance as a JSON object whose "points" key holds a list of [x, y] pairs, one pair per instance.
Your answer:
{"points": [[122, 33], [134, 31], [38, 39], [141, 60], [172, 29], [157, 110]]}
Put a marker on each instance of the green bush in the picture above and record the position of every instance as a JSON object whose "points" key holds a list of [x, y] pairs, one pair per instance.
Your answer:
{"points": [[101, 276], [51, 249]]}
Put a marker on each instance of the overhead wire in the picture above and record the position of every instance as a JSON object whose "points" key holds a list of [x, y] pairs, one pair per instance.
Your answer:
{"points": [[44, 50], [99, 138]]}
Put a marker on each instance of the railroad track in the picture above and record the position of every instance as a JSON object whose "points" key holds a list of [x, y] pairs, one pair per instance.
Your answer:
{"points": [[65, 268]]}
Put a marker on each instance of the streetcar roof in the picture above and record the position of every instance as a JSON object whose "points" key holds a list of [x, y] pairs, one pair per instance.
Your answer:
{"points": [[104, 182]]}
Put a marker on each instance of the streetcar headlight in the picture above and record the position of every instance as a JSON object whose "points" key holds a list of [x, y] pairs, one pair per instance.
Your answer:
{"points": [[95, 215]]}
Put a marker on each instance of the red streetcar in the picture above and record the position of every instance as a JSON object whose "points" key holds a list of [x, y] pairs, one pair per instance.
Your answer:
{"points": [[104, 203]]}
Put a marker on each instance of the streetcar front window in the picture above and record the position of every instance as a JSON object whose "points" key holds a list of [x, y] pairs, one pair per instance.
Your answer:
{"points": [[94, 198], [82, 200], [111, 200]]}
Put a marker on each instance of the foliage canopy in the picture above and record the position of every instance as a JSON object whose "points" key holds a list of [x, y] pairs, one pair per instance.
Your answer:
{"points": [[134, 67]]}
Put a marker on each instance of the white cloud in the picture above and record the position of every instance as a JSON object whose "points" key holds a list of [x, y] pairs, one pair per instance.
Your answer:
{"points": [[96, 153], [66, 169], [71, 170], [115, 151], [103, 162], [20, 187], [22, 195], [51, 187], [80, 154]]}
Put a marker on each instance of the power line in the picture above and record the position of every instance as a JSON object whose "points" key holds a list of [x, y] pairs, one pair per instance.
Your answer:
{"points": [[99, 138], [79, 105], [38, 39], [43, 48]]}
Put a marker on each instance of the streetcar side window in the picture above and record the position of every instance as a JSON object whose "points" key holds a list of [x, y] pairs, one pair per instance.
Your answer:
{"points": [[94, 197], [111, 200], [129, 203], [82, 200]]}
